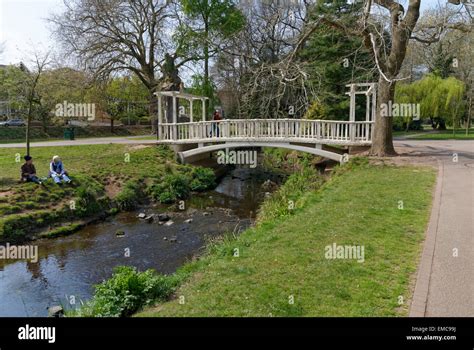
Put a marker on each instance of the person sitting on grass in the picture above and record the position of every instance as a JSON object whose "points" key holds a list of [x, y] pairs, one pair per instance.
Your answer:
{"points": [[57, 172], [28, 171]]}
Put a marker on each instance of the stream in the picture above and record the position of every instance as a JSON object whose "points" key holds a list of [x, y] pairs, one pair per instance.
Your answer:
{"points": [[68, 267]]}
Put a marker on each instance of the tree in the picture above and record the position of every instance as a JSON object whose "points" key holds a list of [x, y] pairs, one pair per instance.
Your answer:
{"points": [[389, 53], [209, 22], [109, 36], [57, 86], [121, 98], [11, 86], [442, 64], [333, 60], [440, 100], [29, 87], [388, 40], [447, 50], [260, 67]]}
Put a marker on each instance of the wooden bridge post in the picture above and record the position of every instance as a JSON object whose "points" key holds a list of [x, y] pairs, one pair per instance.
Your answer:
{"points": [[160, 119], [175, 119], [352, 112], [203, 109], [374, 110], [191, 127]]}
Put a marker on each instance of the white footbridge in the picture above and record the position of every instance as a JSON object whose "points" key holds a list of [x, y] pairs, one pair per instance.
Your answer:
{"points": [[197, 137]]}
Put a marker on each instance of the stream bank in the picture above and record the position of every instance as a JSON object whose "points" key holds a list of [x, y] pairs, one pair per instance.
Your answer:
{"points": [[69, 266]]}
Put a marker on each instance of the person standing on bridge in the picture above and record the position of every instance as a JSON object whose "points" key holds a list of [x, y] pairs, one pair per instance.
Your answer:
{"points": [[215, 125]]}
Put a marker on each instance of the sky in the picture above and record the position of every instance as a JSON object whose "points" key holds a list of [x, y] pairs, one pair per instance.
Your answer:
{"points": [[24, 29]]}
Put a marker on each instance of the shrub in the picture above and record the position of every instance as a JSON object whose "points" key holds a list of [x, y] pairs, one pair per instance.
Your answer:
{"points": [[86, 203], [203, 179], [89, 201], [127, 291], [172, 187], [316, 110], [130, 196]]}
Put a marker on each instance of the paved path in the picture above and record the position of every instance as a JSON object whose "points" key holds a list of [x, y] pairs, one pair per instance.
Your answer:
{"points": [[445, 283], [129, 140]]}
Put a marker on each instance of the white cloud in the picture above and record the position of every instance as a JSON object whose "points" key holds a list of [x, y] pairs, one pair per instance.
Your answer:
{"points": [[23, 26]]}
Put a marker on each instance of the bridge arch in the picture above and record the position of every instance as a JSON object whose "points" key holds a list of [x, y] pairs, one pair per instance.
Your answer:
{"points": [[316, 149]]}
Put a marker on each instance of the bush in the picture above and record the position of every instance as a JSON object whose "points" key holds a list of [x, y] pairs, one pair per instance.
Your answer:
{"points": [[127, 291], [316, 110], [130, 196], [173, 187], [87, 202], [203, 179], [89, 197], [178, 185], [400, 124]]}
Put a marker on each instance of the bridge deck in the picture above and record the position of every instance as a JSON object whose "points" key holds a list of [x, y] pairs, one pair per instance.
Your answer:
{"points": [[351, 133]]}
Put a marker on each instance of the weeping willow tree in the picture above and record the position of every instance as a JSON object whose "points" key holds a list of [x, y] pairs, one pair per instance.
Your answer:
{"points": [[440, 100]]}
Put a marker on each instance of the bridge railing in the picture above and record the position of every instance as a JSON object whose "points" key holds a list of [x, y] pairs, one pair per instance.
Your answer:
{"points": [[268, 129]]}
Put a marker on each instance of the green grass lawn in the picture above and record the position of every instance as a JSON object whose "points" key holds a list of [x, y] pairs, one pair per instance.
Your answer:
{"points": [[124, 161], [284, 259], [407, 133], [102, 177], [437, 135], [447, 135]]}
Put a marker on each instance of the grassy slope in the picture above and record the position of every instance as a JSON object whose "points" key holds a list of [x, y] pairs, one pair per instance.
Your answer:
{"points": [[90, 166], [286, 257], [94, 160]]}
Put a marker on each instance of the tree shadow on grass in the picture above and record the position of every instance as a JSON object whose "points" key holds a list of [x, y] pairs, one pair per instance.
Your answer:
{"points": [[8, 182]]}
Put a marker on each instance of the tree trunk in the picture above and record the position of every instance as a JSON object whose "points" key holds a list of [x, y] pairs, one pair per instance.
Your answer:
{"points": [[382, 141], [28, 136], [153, 110], [206, 66], [44, 123], [169, 82], [28, 127], [111, 125], [469, 116]]}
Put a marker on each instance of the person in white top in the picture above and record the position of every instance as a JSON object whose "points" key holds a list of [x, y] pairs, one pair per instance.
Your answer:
{"points": [[57, 171]]}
